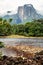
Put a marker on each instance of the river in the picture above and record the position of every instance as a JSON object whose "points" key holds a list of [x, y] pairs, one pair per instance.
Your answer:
{"points": [[17, 41], [28, 41]]}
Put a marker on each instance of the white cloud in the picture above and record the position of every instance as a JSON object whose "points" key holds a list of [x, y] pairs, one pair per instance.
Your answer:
{"points": [[12, 5]]}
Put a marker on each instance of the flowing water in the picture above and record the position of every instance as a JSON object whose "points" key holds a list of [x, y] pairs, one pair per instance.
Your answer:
{"points": [[17, 41], [29, 41]]}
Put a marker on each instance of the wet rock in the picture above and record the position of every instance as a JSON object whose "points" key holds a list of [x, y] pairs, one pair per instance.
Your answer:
{"points": [[4, 57], [37, 60], [40, 53]]}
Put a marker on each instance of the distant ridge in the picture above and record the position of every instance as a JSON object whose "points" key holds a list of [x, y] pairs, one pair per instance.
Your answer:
{"points": [[24, 14]]}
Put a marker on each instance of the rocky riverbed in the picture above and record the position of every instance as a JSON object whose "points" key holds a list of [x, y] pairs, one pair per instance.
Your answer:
{"points": [[22, 52], [36, 60]]}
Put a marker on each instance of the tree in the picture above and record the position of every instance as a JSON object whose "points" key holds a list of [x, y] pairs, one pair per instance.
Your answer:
{"points": [[1, 20], [10, 20], [20, 29], [4, 21]]}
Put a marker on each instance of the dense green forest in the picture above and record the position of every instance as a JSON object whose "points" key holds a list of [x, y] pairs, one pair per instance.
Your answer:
{"points": [[34, 28]]}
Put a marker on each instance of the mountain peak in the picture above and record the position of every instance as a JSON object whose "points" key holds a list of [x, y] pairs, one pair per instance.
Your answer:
{"points": [[28, 13], [24, 14], [29, 5]]}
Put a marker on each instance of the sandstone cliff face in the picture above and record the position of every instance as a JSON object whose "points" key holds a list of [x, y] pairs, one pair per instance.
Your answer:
{"points": [[24, 14], [27, 13]]}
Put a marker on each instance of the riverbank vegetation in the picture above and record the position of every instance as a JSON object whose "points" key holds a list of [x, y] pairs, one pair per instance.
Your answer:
{"points": [[1, 44], [29, 29]]}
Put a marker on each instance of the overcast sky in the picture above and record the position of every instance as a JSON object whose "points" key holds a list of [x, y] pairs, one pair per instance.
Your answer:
{"points": [[12, 5]]}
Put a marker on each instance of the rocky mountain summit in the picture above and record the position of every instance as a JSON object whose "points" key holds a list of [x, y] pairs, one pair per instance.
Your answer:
{"points": [[27, 13], [24, 14]]}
